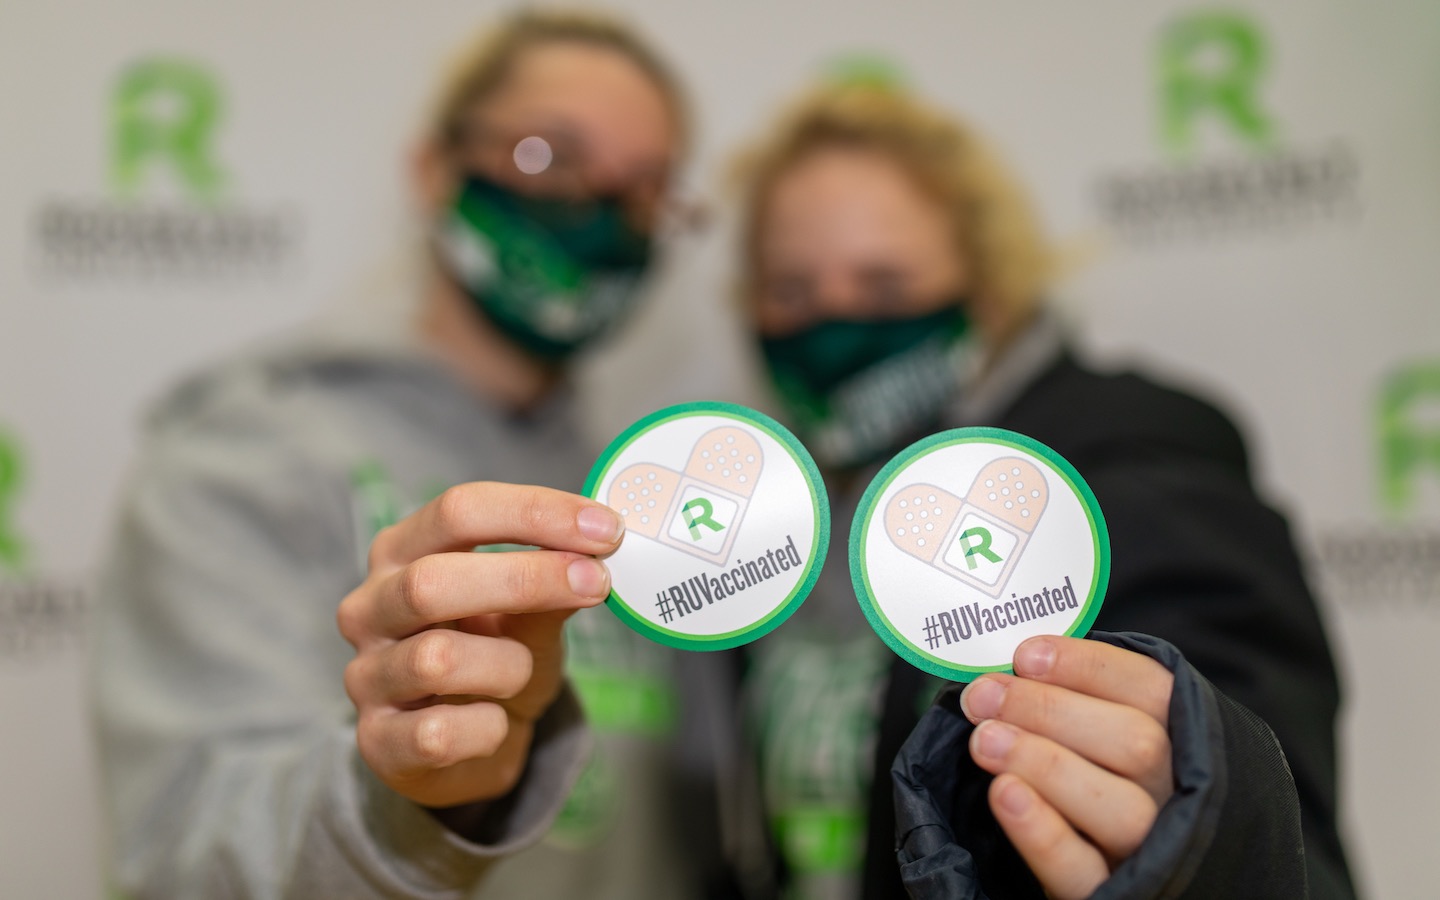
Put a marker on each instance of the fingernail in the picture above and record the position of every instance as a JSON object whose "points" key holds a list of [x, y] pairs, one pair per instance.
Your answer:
{"points": [[1035, 657], [600, 524], [982, 699], [994, 739], [1015, 797], [588, 578]]}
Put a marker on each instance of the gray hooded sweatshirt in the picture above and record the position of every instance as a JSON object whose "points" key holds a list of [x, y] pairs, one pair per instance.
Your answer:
{"points": [[227, 740]]}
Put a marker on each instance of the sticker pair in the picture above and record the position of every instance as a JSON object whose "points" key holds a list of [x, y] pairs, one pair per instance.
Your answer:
{"points": [[964, 544]]}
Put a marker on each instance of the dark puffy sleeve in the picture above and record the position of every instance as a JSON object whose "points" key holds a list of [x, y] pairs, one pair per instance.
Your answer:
{"points": [[1199, 561], [1231, 829]]}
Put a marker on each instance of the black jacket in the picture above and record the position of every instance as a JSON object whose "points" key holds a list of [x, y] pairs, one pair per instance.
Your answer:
{"points": [[1200, 562]]}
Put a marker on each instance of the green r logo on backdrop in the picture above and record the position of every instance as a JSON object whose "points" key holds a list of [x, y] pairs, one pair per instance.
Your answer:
{"points": [[1210, 67], [12, 472], [165, 112], [1409, 431]]}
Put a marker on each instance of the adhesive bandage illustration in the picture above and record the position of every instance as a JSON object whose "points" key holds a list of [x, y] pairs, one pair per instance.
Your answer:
{"points": [[699, 510], [978, 539]]}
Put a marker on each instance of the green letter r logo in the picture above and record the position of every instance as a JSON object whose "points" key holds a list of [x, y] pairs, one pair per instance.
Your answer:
{"points": [[981, 547], [1211, 62], [12, 549], [165, 110], [1409, 439], [704, 516]]}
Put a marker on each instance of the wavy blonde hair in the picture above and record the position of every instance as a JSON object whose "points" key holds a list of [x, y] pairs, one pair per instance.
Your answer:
{"points": [[485, 65], [993, 225]]}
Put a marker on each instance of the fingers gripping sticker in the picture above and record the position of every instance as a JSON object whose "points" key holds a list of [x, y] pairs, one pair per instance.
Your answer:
{"points": [[726, 524], [979, 539], [700, 511]]}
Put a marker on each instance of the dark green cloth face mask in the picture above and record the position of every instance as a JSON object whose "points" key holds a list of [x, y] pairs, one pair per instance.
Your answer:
{"points": [[552, 275], [859, 389]]}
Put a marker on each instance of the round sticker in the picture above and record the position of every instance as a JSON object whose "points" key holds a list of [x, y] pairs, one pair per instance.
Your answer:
{"points": [[972, 540], [726, 524]]}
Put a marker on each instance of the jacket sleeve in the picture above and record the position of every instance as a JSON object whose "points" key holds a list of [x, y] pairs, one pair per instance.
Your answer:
{"points": [[227, 742], [1200, 561], [1231, 829]]}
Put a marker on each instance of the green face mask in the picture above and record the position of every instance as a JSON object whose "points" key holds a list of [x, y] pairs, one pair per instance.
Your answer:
{"points": [[859, 389], [552, 275]]}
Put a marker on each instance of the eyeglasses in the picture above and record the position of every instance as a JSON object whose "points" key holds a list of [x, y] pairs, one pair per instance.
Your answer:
{"points": [[875, 291], [554, 163]]}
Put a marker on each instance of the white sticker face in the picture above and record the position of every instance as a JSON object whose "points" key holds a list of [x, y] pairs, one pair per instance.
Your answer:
{"points": [[973, 540], [726, 524]]}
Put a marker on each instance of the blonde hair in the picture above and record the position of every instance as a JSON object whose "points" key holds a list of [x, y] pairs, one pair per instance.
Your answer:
{"points": [[484, 66], [993, 225]]}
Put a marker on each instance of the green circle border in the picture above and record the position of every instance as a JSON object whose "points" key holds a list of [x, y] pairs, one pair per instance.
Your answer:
{"points": [[860, 578], [820, 546]]}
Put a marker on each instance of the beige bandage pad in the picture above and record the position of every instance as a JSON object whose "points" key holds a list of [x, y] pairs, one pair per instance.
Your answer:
{"points": [[642, 495], [1012, 490], [919, 517], [728, 458]]}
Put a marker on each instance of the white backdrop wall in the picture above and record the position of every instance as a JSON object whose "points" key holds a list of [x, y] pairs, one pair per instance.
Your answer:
{"points": [[1277, 247]]}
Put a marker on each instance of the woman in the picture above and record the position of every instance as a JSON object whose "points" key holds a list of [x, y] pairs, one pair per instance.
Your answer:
{"points": [[248, 750], [894, 276]]}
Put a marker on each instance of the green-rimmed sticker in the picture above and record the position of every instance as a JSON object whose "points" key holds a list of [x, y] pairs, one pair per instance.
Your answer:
{"points": [[726, 524], [972, 540]]}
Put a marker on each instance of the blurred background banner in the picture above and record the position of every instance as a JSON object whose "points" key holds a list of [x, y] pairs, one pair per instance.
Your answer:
{"points": [[1249, 193]]}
